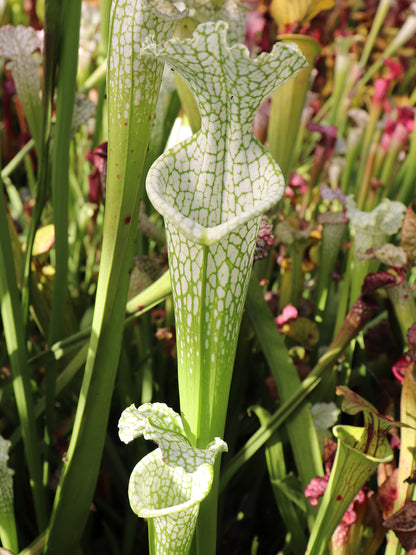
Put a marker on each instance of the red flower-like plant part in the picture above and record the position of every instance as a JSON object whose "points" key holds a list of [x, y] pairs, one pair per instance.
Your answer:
{"points": [[98, 177], [258, 30], [288, 313], [387, 494], [297, 183], [382, 84], [401, 366], [316, 489], [265, 239], [397, 130], [377, 280], [328, 135]]}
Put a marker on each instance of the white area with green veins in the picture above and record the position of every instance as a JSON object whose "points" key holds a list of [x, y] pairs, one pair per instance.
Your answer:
{"points": [[6, 480], [132, 77], [168, 485], [212, 190]]}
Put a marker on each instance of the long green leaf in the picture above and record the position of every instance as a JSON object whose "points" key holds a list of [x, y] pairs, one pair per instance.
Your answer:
{"points": [[60, 167], [11, 312], [301, 430]]}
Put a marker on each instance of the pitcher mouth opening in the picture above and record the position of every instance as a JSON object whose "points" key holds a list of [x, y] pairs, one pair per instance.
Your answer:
{"points": [[202, 477], [205, 235]]}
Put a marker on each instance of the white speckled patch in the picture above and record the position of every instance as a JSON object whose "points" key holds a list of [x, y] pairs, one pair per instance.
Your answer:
{"points": [[159, 423], [132, 21], [6, 480], [221, 177], [212, 190], [133, 85], [168, 484], [170, 497]]}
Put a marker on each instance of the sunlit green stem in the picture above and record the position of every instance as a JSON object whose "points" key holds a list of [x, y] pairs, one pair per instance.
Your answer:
{"points": [[382, 11], [15, 202], [287, 105], [91, 80], [281, 482], [367, 153], [368, 194], [53, 34], [36, 547], [8, 531], [53, 31], [96, 78], [354, 140], [333, 230], [41, 129], [389, 170], [406, 192], [345, 284], [285, 285], [404, 34], [343, 83], [297, 253]]}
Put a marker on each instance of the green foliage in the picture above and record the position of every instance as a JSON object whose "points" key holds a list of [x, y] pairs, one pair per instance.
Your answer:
{"points": [[110, 297]]}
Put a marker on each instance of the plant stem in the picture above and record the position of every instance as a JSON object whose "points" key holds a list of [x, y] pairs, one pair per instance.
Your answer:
{"points": [[382, 11], [60, 164], [287, 105]]}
